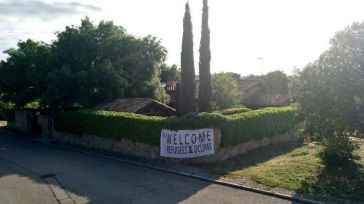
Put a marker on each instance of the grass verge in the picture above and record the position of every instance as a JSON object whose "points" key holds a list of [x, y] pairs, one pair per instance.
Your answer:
{"points": [[296, 168]]}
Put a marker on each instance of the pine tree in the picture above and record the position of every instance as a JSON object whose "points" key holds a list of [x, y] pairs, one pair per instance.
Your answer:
{"points": [[205, 58], [187, 89]]}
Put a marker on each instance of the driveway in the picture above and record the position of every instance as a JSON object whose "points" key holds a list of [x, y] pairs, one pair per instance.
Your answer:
{"points": [[32, 172]]}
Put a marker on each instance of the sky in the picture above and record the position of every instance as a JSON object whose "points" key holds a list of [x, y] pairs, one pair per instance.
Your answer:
{"points": [[284, 34]]}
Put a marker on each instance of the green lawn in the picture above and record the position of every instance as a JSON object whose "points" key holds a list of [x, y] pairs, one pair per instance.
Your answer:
{"points": [[296, 168]]}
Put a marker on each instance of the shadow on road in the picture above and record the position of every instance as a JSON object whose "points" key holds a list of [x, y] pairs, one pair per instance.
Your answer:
{"points": [[41, 173], [85, 178]]}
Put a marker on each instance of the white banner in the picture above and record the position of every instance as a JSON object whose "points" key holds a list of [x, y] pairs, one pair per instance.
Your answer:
{"points": [[187, 143]]}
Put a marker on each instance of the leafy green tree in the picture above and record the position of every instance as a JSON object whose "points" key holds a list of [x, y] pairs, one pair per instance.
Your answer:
{"points": [[236, 76], [186, 99], [254, 77], [86, 65], [276, 81], [142, 67], [273, 81], [330, 94], [135, 60], [225, 91], [22, 74], [66, 88], [108, 83], [205, 58], [170, 73]]}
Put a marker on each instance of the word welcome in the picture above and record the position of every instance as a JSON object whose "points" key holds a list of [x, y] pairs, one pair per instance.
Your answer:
{"points": [[187, 143]]}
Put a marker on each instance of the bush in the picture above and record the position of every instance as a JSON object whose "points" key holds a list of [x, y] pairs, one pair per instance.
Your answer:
{"points": [[7, 111], [338, 151], [235, 129]]}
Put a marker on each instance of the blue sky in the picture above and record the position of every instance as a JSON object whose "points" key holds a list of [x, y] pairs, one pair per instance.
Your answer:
{"points": [[285, 33]]}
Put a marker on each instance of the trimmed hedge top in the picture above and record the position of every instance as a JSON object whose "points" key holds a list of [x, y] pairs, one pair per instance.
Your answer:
{"points": [[231, 111], [235, 129]]}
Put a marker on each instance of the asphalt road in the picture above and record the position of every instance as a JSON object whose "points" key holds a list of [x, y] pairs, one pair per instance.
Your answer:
{"points": [[31, 172]]}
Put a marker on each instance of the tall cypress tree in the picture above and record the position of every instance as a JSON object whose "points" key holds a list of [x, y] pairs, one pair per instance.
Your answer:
{"points": [[205, 58], [187, 89]]}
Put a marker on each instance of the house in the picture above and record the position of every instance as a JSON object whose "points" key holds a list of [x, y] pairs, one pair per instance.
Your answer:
{"points": [[145, 106], [172, 86], [269, 99], [251, 88], [171, 90], [256, 95]]}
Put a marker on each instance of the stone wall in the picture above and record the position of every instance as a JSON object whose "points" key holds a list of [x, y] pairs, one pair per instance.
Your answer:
{"points": [[123, 146], [23, 121], [129, 147], [233, 151], [45, 123]]}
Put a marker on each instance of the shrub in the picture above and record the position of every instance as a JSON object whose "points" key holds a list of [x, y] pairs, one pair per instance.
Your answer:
{"points": [[338, 150], [235, 129], [7, 111]]}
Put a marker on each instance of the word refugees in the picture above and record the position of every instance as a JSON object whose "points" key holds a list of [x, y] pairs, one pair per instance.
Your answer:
{"points": [[187, 143]]}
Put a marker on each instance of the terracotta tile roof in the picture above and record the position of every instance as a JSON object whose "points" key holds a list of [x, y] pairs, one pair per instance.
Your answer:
{"points": [[265, 99], [137, 105], [247, 84]]}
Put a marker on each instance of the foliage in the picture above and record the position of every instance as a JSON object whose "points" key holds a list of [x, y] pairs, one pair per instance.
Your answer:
{"points": [[22, 75], [65, 88], [235, 129], [273, 81], [330, 93], [205, 58], [6, 111], [258, 124], [187, 90], [225, 92], [236, 76], [86, 65], [35, 105], [170, 73], [276, 80], [236, 110]]}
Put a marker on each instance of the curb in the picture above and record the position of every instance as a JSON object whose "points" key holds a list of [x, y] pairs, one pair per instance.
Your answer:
{"points": [[185, 174]]}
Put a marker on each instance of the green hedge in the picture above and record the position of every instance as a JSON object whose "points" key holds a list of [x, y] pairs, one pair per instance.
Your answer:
{"points": [[139, 128], [231, 111], [235, 128], [258, 124]]}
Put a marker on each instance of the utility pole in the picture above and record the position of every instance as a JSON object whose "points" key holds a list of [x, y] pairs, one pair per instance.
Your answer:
{"points": [[262, 65]]}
